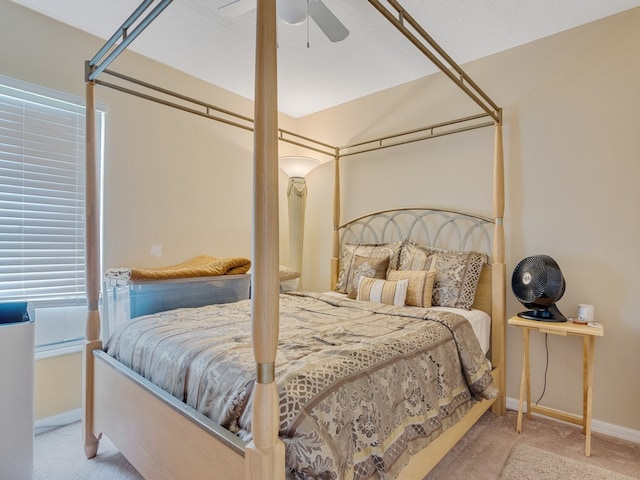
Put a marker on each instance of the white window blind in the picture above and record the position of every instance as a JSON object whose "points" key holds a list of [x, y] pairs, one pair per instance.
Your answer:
{"points": [[42, 194]]}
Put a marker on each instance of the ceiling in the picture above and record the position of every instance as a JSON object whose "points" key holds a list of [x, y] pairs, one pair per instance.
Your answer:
{"points": [[193, 36]]}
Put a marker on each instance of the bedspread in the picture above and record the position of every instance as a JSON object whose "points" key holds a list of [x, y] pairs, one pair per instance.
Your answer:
{"points": [[361, 385]]}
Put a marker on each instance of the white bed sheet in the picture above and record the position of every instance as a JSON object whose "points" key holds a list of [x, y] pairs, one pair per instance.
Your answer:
{"points": [[480, 321]]}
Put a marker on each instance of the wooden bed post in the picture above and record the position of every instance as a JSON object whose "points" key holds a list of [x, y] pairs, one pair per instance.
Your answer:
{"points": [[264, 455], [498, 334], [92, 265], [335, 260]]}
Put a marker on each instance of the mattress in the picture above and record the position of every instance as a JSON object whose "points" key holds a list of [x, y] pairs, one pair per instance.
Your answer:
{"points": [[480, 323]]}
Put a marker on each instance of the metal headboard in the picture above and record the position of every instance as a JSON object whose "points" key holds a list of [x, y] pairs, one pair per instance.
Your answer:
{"points": [[438, 228]]}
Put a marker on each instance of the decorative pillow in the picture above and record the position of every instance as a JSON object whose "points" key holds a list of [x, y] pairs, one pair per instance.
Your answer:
{"points": [[415, 257], [420, 285], [457, 275], [366, 267], [382, 291], [345, 276]]}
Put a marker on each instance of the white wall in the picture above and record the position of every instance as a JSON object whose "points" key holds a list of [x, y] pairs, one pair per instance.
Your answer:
{"points": [[571, 114], [173, 181]]}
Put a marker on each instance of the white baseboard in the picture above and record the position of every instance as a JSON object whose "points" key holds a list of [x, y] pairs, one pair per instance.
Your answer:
{"points": [[56, 421], [599, 426]]}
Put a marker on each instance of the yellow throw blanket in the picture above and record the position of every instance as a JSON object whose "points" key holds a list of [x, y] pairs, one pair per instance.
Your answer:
{"points": [[200, 266]]}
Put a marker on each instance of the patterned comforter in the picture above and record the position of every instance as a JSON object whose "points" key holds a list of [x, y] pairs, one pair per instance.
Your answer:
{"points": [[361, 385]]}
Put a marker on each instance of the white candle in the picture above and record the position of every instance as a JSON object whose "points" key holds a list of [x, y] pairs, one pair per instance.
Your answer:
{"points": [[586, 312]]}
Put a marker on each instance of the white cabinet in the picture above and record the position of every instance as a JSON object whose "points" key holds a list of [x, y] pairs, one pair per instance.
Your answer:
{"points": [[17, 364]]}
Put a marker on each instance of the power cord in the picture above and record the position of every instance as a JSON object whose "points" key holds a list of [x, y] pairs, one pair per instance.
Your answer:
{"points": [[546, 367]]}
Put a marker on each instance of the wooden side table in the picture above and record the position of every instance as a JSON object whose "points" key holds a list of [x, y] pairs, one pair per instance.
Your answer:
{"points": [[588, 335]]}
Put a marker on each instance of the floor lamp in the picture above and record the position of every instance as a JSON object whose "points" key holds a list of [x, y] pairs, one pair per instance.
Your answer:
{"points": [[297, 168]]}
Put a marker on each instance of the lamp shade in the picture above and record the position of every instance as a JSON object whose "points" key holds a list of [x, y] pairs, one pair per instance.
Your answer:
{"points": [[297, 166]]}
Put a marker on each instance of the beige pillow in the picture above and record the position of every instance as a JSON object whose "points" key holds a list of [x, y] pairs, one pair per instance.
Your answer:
{"points": [[382, 291], [345, 275], [420, 287], [366, 267], [415, 257], [457, 275]]}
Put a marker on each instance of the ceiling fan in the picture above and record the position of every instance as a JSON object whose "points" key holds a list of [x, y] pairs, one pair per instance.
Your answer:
{"points": [[294, 12]]}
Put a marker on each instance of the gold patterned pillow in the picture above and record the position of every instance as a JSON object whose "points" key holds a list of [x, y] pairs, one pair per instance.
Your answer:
{"points": [[415, 257], [457, 275], [382, 291], [420, 287], [391, 250], [371, 267]]}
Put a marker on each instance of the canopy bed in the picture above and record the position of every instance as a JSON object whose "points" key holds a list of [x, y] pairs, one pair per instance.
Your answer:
{"points": [[164, 436]]}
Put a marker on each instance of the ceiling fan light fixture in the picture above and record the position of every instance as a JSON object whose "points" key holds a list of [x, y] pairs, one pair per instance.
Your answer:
{"points": [[293, 12]]}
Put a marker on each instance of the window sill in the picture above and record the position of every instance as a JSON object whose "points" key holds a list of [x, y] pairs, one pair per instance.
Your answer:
{"points": [[58, 350]]}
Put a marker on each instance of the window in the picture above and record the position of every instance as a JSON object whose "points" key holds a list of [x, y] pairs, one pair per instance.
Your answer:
{"points": [[42, 204]]}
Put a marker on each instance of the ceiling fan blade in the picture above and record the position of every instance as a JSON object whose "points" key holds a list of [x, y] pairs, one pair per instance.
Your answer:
{"points": [[234, 8], [327, 21]]}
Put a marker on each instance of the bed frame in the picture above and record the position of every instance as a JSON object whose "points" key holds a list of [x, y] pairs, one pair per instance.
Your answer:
{"points": [[159, 435]]}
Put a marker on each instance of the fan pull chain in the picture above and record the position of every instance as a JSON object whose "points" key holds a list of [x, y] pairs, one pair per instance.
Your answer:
{"points": [[307, 23]]}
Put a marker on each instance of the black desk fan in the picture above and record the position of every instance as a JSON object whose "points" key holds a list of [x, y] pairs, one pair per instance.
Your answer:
{"points": [[538, 284]]}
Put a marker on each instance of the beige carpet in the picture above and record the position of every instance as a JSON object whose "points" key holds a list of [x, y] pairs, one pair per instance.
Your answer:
{"points": [[482, 454], [526, 462], [59, 455]]}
